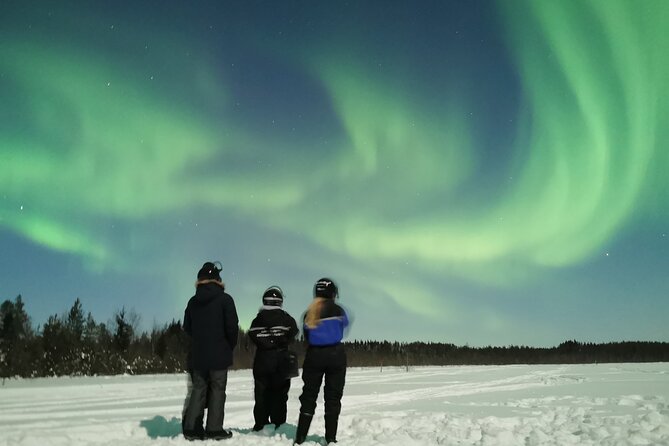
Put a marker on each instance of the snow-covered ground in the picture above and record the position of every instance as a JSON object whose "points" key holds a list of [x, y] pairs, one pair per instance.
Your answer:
{"points": [[603, 404]]}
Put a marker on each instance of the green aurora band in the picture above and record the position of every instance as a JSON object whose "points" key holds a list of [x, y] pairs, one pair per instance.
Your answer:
{"points": [[102, 146], [588, 147]]}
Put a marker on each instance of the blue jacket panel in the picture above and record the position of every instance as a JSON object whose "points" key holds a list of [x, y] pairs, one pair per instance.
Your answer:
{"points": [[330, 329]]}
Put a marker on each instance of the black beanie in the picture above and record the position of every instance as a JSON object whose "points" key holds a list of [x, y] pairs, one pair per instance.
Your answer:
{"points": [[326, 288], [273, 296], [209, 271]]}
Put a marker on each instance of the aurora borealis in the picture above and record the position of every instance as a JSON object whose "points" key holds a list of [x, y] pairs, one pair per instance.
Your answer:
{"points": [[468, 172]]}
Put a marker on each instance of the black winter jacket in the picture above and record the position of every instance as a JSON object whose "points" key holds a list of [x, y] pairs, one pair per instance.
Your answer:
{"points": [[211, 321], [272, 328], [271, 331]]}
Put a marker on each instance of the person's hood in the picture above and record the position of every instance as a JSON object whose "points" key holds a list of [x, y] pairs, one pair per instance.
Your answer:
{"points": [[206, 291]]}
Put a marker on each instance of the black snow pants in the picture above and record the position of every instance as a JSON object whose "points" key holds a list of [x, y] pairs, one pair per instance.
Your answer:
{"points": [[208, 390], [271, 388], [319, 362], [271, 398]]}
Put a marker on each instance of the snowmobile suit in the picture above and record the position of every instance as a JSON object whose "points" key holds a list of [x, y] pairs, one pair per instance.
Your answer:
{"points": [[271, 331], [325, 358]]}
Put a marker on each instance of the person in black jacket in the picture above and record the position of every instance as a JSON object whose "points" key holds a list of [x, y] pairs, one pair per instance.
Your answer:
{"points": [[324, 324], [212, 323], [271, 331]]}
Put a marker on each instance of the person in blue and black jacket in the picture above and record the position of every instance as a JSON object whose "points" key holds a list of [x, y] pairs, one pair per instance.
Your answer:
{"points": [[324, 324]]}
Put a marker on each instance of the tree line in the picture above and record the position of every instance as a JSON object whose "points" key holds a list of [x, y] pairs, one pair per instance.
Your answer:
{"points": [[74, 343]]}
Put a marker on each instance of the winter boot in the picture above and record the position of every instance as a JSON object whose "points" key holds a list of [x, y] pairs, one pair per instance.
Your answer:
{"points": [[193, 435], [331, 422], [302, 428], [218, 435]]}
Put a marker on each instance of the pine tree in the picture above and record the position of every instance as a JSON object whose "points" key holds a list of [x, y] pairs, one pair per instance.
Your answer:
{"points": [[123, 331], [55, 346], [75, 321], [16, 335]]}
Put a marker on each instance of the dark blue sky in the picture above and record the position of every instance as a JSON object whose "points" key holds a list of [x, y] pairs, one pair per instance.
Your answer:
{"points": [[468, 172]]}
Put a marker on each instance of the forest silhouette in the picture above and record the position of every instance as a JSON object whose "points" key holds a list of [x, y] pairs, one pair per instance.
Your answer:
{"points": [[74, 343]]}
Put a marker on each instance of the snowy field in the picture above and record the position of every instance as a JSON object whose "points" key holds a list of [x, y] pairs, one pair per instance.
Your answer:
{"points": [[605, 404]]}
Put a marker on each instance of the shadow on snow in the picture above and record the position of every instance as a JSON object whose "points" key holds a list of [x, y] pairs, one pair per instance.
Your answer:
{"points": [[160, 427]]}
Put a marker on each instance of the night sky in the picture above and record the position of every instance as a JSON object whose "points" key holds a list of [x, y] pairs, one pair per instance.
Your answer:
{"points": [[482, 173]]}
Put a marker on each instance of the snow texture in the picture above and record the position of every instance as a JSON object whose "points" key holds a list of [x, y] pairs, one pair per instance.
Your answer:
{"points": [[598, 404]]}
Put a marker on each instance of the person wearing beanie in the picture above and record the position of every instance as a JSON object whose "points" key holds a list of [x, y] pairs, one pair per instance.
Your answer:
{"points": [[211, 322], [324, 324], [272, 330]]}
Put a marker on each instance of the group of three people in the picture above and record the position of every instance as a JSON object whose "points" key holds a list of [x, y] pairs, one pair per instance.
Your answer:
{"points": [[212, 323]]}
